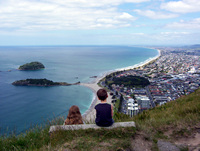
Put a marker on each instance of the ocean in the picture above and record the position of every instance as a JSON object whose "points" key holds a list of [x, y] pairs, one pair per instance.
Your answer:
{"points": [[22, 106]]}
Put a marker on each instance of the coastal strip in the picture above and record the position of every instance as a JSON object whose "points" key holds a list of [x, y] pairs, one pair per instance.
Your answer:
{"points": [[90, 114]]}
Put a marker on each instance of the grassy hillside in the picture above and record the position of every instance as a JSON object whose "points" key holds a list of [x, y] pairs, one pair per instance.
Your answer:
{"points": [[171, 121], [177, 115]]}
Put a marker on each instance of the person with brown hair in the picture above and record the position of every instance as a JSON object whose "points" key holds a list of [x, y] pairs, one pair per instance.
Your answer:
{"points": [[74, 116], [104, 111]]}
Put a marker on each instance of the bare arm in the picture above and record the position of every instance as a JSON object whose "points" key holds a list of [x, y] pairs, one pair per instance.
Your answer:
{"points": [[67, 121], [111, 110]]}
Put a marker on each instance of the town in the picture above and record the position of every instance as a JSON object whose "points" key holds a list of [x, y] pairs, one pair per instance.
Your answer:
{"points": [[175, 73]]}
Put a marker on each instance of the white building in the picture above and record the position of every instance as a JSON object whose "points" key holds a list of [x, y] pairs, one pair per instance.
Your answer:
{"points": [[192, 70], [144, 102], [132, 107]]}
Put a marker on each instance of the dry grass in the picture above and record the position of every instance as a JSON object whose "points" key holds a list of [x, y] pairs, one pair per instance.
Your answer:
{"points": [[101, 139]]}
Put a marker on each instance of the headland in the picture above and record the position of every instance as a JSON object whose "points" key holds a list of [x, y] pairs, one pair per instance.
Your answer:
{"points": [[41, 82]]}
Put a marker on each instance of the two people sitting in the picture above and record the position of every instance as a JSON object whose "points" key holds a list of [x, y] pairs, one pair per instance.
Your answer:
{"points": [[104, 112]]}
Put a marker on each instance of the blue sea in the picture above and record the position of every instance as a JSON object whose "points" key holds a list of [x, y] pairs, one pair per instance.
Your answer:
{"points": [[22, 106]]}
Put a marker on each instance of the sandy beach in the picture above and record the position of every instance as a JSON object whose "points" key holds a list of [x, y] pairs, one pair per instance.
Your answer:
{"points": [[90, 114]]}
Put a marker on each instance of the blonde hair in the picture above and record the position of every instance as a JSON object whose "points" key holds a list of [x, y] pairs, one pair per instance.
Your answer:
{"points": [[74, 116]]}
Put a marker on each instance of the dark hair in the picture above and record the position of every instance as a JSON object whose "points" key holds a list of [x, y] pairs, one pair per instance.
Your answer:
{"points": [[102, 94], [74, 116]]}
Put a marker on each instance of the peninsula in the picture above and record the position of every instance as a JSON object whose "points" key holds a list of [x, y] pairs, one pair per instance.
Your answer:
{"points": [[32, 66], [40, 82]]}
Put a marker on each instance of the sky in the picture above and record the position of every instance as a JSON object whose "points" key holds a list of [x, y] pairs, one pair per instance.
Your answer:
{"points": [[99, 22]]}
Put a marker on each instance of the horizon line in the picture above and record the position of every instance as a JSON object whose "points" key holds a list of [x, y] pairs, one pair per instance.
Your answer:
{"points": [[80, 45]]}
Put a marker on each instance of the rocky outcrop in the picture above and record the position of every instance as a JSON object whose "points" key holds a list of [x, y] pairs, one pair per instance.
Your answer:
{"points": [[32, 66]]}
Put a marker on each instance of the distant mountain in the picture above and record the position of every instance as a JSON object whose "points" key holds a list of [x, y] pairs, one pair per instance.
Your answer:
{"points": [[193, 46]]}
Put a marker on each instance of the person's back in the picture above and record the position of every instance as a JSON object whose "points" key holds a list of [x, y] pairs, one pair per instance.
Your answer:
{"points": [[104, 111]]}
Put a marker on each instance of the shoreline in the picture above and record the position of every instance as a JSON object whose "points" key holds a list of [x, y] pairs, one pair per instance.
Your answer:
{"points": [[90, 114]]}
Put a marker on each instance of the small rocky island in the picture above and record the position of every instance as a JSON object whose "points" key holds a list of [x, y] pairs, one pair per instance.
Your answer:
{"points": [[93, 77], [32, 66], [41, 82]]}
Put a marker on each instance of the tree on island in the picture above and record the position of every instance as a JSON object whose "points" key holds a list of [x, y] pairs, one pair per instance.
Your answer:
{"points": [[32, 66], [27, 82], [41, 82], [131, 81]]}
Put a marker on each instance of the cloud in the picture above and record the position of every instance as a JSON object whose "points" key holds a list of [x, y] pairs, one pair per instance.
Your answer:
{"points": [[39, 15], [93, 3], [138, 34], [162, 35], [117, 21], [125, 16], [191, 24], [172, 35], [136, 1], [183, 6], [165, 37], [155, 15]]}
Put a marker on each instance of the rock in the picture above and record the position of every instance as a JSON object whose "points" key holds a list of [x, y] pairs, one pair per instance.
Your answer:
{"points": [[93, 77], [167, 146]]}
